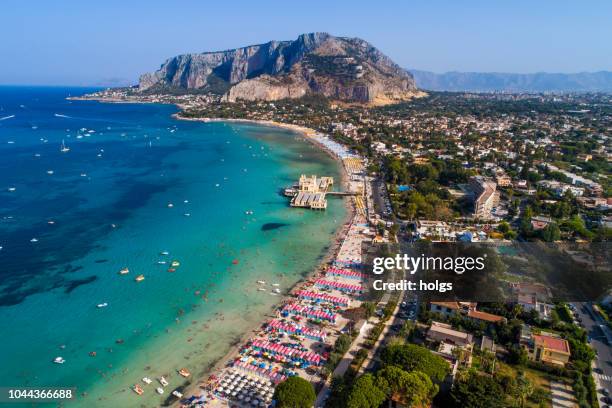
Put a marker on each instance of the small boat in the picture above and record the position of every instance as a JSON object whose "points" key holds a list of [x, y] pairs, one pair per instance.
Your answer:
{"points": [[277, 290], [101, 305], [50, 172], [124, 271], [261, 282], [184, 372], [59, 360], [171, 270], [11, 189], [177, 394], [187, 214], [163, 381], [64, 148], [159, 390], [164, 253], [146, 380], [137, 389], [261, 289], [50, 222], [170, 205], [175, 264], [119, 341], [276, 284], [92, 354], [34, 240], [161, 262], [139, 278]]}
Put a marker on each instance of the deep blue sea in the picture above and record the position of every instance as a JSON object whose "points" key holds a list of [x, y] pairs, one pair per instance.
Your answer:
{"points": [[132, 185]]}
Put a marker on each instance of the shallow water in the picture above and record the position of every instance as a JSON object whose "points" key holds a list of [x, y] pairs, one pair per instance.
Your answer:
{"points": [[106, 206]]}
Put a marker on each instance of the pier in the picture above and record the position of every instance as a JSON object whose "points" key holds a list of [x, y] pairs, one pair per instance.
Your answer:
{"points": [[310, 192]]}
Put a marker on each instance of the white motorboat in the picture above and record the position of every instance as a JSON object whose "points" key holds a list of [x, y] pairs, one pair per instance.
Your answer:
{"points": [[101, 305], [64, 148], [146, 380], [59, 360]]}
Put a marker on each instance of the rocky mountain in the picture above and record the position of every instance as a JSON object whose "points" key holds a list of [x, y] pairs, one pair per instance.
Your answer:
{"points": [[492, 81], [346, 69]]}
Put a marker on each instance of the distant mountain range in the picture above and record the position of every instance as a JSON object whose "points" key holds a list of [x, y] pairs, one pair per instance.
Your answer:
{"points": [[492, 81], [340, 68]]}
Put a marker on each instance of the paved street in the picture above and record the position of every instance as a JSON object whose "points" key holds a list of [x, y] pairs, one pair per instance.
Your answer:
{"points": [[603, 362], [562, 395]]}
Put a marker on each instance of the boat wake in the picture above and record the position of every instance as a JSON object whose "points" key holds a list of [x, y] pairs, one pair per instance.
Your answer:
{"points": [[7, 117], [59, 115]]}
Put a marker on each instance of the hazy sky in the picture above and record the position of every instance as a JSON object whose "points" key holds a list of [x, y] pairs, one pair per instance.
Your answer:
{"points": [[95, 42]]}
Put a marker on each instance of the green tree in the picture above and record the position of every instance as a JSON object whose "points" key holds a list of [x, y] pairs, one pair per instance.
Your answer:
{"points": [[369, 308], [411, 389], [477, 391], [294, 392], [410, 357], [365, 393], [551, 233], [524, 388]]}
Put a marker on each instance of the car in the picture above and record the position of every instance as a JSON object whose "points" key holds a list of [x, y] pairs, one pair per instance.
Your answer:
{"points": [[605, 392]]}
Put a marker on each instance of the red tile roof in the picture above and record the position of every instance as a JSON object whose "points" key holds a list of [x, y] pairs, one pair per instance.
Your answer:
{"points": [[552, 343], [488, 317]]}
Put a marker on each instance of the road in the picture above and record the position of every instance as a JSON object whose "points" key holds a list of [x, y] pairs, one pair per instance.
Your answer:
{"points": [[602, 366]]}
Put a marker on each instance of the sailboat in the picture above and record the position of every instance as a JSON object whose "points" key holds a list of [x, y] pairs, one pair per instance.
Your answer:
{"points": [[64, 148]]}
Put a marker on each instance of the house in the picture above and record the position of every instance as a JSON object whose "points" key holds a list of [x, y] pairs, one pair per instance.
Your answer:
{"points": [[539, 223], [485, 317], [442, 332], [547, 348], [503, 180], [534, 296], [468, 309], [449, 308]]}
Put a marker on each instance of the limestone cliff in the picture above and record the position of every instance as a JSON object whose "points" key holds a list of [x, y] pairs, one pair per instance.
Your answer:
{"points": [[346, 69]]}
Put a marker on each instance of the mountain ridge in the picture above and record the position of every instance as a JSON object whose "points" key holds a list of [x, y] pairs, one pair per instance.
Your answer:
{"points": [[340, 68], [455, 81]]}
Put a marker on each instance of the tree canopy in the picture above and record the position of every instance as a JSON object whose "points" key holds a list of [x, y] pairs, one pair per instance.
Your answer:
{"points": [[477, 391], [410, 389], [294, 392], [410, 357], [365, 393]]}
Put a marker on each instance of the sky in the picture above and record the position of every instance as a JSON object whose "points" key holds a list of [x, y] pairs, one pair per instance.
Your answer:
{"points": [[109, 42]]}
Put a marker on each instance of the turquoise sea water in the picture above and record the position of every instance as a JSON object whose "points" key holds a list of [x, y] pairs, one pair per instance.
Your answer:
{"points": [[104, 205]]}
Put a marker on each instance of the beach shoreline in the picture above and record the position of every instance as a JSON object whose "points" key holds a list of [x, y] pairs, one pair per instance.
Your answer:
{"points": [[195, 386], [330, 254]]}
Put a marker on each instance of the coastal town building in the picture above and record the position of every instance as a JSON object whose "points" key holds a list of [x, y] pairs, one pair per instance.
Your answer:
{"points": [[485, 196], [311, 191], [467, 309], [442, 332], [547, 348]]}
